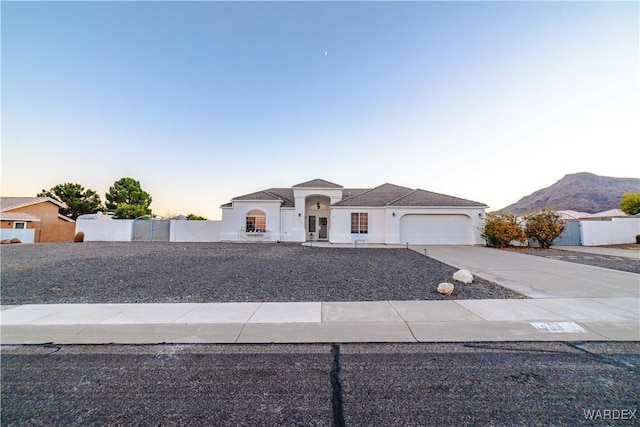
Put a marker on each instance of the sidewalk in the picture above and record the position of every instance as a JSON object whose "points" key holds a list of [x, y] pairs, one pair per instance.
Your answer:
{"points": [[566, 319], [569, 302]]}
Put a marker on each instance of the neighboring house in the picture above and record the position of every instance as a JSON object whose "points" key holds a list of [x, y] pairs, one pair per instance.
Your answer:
{"points": [[604, 215], [321, 210], [35, 220]]}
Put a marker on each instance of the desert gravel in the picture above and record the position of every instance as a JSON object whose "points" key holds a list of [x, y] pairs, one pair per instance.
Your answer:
{"points": [[163, 272], [631, 265]]}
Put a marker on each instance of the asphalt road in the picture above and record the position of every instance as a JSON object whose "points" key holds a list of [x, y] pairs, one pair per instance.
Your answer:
{"points": [[354, 385]]}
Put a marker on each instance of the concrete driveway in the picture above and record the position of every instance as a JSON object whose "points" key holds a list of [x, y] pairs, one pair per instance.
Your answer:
{"points": [[537, 277]]}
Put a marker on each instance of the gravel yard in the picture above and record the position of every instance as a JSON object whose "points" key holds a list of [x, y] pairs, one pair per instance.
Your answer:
{"points": [[605, 261], [161, 272]]}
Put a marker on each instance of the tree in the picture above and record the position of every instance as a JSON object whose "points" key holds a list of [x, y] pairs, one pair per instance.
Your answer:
{"points": [[630, 203], [500, 230], [543, 226], [194, 217], [78, 201], [127, 199]]}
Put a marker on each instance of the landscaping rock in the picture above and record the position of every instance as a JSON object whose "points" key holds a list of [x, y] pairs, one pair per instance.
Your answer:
{"points": [[463, 276], [445, 288]]}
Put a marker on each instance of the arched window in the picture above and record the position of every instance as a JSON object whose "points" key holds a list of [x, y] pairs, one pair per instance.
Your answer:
{"points": [[256, 221]]}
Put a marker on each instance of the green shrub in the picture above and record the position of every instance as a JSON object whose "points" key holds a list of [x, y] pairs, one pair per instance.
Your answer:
{"points": [[127, 211], [500, 230], [543, 226], [637, 239], [630, 203], [194, 217]]}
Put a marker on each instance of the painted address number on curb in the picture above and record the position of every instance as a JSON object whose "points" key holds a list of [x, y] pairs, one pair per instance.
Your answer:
{"points": [[560, 327]]}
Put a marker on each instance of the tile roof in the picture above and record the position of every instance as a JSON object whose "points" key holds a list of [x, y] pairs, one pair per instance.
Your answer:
{"points": [[427, 198], [347, 193], [378, 196], [285, 195], [318, 183], [18, 216], [10, 203], [382, 195]]}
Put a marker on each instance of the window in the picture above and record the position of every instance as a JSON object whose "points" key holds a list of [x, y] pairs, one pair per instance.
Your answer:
{"points": [[256, 221], [20, 225], [312, 223], [359, 223]]}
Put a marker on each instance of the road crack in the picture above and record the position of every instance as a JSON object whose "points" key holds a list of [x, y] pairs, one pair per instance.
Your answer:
{"points": [[336, 387]]}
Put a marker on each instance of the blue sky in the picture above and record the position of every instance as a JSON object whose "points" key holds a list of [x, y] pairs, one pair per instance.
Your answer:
{"points": [[203, 101]]}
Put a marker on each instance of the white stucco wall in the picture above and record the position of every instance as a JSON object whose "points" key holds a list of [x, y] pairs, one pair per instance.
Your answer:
{"points": [[234, 219], [105, 229], [618, 230], [384, 227], [290, 221], [340, 230], [195, 231]]}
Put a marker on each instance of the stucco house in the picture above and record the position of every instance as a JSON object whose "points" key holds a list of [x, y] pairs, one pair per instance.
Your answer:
{"points": [[34, 220], [324, 211]]}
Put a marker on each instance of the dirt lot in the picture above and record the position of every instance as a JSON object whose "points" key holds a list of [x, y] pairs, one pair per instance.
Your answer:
{"points": [[161, 272]]}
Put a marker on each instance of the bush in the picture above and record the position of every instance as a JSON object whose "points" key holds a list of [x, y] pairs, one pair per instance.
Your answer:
{"points": [[543, 226], [194, 217], [127, 211], [500, 230], [630, 203], [637, 239]]}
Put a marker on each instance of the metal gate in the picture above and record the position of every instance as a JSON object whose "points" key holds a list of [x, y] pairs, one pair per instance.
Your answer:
{"points": [[570, 236], [151, 230]]}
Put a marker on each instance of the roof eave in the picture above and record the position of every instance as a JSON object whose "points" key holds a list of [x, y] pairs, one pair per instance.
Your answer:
{"points": [[65, 218], [34, 202]]}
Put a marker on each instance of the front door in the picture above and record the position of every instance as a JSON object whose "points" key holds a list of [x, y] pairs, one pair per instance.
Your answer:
{"points": [[322, 232]]}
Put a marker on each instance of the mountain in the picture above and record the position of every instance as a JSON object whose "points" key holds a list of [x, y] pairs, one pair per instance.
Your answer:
{"points": [[582, 192]]}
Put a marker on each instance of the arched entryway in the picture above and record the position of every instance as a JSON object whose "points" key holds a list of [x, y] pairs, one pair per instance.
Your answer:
{"points": [[317, 217]]}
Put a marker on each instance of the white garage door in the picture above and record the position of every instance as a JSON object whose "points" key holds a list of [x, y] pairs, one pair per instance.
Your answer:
{"points": [[435, 229]]}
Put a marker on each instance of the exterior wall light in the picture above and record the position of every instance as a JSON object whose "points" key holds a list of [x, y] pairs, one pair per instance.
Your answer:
{"points": [[393, 214]]}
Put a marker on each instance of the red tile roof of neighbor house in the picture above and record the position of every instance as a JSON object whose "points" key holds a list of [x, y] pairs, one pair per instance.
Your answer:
{"points": [[383, 195], [10, 203], [18, 216]]}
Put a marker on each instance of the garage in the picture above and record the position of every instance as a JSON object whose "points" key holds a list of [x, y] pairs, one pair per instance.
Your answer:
{"points": [[435, 229]]}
